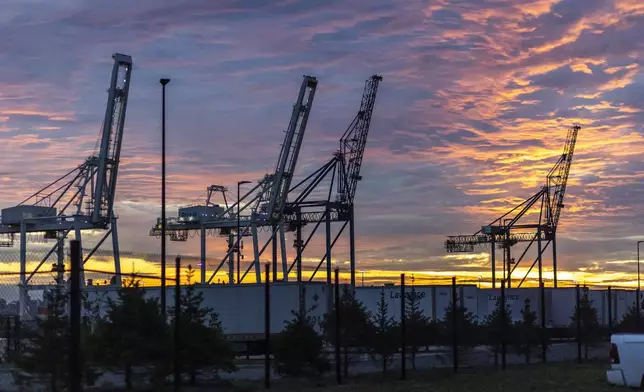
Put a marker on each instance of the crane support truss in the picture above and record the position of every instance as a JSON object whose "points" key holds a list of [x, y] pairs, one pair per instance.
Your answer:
{"points": [[267, 203], [263, 205], [343, 170], [509, 229], [83, 198]]}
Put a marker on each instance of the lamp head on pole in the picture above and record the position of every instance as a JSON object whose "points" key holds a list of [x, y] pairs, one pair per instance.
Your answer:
{"points": [[243, 182], [164, 81]]}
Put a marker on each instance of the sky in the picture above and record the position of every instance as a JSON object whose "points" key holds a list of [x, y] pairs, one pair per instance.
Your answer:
{"points": [[473, 111]]}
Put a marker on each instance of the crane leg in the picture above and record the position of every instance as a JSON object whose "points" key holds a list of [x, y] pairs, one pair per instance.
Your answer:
{"points": [[328, 258], [352, 247], [203, 255], [283, 253], [60, 257], [78, 237], [117, 254], [23, 269], [539, 257], [509, 261], [554, 258], [493, 262], [298, 234], [274, 244], [231, 260], [258, 267]]}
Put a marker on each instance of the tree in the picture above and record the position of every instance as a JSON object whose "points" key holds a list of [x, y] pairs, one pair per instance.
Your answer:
{"points": [[631, 321], [385, 340], [466, 326], [419, 330], [298, 349], [133, 332], [498, 326], [355, 325], [45, 356], [587, 314], [528, 332], [201, 335]]}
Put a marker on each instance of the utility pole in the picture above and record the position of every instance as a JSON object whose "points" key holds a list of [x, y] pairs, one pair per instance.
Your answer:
{"points": [[163, 82], [239, 184]]}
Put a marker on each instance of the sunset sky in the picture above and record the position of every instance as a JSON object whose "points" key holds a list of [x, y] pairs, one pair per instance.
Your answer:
{"points": [[473, 111]]}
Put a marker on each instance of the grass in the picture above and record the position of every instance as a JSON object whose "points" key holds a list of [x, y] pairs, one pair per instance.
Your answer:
{"points": [[555, 377], [544, 378]]}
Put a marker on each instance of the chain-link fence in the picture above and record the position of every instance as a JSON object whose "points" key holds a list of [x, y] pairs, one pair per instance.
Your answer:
{"points": [[99, 329]]}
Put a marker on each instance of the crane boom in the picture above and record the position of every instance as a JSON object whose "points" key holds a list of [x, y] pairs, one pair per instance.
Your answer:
{"points": [[274, 198], [110, 147], [558, 179], [354, 140]]}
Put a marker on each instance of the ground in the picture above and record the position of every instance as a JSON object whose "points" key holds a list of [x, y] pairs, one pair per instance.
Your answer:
{"points": [[556, 377], [544, 378]]}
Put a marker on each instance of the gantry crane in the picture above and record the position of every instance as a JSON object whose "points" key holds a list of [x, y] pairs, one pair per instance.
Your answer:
{"points": [[265, 201], [510, 228], [83, 198], [344, 171]]}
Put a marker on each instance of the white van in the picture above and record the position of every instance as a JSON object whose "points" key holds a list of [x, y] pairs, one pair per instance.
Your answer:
{"points": [[627, 360]]}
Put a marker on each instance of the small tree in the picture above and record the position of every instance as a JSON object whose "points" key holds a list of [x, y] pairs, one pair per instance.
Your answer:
{"points": [[133, 332], [418, 329], [497, 326], [466, 326], [354, 325], [385, 340], [298, 349], [590, 329], [201, 335], [528, 332], [45, 356], [632, 322]]}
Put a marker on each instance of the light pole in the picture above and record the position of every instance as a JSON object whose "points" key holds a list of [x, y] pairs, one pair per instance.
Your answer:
{"points": [[638, 265], [239, 184], [163, 82]]}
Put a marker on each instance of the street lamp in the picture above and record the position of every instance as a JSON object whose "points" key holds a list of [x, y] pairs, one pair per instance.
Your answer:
{"points": [[239, 184], [163, 82], [638, 265]]}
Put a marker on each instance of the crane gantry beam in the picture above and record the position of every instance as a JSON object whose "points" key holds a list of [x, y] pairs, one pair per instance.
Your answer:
{"points": [[501, 232]]}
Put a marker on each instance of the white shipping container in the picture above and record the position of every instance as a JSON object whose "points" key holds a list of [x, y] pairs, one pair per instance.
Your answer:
{"points": [[241, 307]]}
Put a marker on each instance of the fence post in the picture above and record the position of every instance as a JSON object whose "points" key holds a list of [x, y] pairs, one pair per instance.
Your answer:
{"points": [[503, 322], [267, 328], [578, 317], [610, 310], [544, 331], [75, 318], [338, 364], [454, 325], [403, 330], [177, 323]]}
